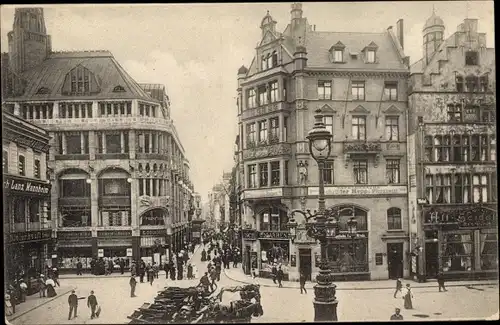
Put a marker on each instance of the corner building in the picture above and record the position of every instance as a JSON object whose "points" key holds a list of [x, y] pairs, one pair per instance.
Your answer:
{"points": [[120, 178], [359, 82], [452, 155]]}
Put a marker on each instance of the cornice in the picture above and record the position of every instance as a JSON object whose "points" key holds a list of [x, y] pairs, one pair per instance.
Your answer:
{"points": [[363, 73]]}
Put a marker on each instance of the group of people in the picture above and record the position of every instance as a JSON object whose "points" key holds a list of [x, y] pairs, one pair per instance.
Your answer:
{"points": [[95, 309], [102, 266]]}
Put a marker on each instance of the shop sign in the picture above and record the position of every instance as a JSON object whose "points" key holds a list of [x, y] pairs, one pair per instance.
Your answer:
{"points": [[360, 190], [28, 236], [422, 201], [255, 194], [129, 252], [274, 235], [74, 235], [114, 233], [472, 217], [100, 252], [196, 234], [26, 186], [347, 236], [154, 232], [249, 235]]}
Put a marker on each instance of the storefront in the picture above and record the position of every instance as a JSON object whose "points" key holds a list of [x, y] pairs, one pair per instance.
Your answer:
{"points": [[114, 244], [274, 250], [460, 241], [74, 246], [154, 246]]}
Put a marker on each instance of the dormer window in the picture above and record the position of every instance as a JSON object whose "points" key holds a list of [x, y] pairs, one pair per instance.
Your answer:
{"points": [[371, 53], [120, 89], [80, 81], [338, 56], [43, 91], [370, 56], [337, 52]]}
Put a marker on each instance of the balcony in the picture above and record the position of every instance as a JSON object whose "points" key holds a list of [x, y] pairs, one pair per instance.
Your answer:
{"points": [[149, 156], [362, 147], [103, 156], [265, 150], [263, 110], [114, 201], [72, 157], [74, 201]]}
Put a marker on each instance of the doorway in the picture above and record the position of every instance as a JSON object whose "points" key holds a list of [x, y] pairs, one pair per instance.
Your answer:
{"points": [[395, 260], [431, 260], [305, 262]]}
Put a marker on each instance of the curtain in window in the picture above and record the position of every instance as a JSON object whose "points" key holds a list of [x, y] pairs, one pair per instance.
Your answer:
{"points": [[447, 189], [437, 148], [466, 240], [466, 189], [429, 189]]}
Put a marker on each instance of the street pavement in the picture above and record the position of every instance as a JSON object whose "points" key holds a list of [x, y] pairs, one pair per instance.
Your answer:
{"points": [[279, 304]]}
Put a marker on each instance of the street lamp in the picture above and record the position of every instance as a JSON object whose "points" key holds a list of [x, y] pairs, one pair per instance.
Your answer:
{"points": [[322, 225], [352, 229]]}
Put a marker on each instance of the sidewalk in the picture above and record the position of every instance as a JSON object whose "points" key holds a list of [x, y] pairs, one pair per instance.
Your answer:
{"points": [[236, 274], [115, 274], [34, 301]]}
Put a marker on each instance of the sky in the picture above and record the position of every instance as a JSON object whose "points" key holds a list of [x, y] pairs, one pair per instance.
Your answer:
{"points": [[195, 50]]}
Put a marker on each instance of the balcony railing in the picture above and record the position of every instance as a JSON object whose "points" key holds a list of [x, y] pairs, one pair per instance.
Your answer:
{"points": [[111, 156], [263, 109], [362, 147], [264, 149]]}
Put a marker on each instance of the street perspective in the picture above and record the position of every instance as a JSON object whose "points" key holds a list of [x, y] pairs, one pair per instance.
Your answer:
{"points": [[200, 163]]}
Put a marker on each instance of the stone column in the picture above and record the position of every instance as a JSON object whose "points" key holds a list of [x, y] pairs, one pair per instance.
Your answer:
{"points": [[133, 202], [94, 201], [92, 145], [103, 139], [122, 142], [151, 185], [64, 144], [281, 128], [75, 108], [95, 109], [257, 175], [131, 144], [82, 143], [150, 135], [269, 174]]}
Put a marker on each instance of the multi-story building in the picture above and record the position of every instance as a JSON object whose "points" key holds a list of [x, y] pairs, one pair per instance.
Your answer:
{"points": [[359, 81], [219, 202], [118, 169], [26, 198], [452, 155]]}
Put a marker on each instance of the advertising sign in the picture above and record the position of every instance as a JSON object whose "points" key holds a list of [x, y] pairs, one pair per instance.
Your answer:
{"points": [[129, 252], [26, 186]]}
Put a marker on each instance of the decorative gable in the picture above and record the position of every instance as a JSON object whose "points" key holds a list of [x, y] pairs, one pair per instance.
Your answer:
{"points": [[268, 38], [371, 46], [392, 110], [337, 46], [360, 110], [328, 110]]}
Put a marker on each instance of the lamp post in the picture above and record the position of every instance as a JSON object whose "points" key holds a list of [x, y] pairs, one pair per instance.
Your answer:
{"points": [[322, 225], [352, 229]]}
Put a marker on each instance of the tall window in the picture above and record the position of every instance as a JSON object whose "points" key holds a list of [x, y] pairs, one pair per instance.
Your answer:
{"points": [[274, 130], [370, 56], [5, 161], [328, 120], [359, 127], [480, 188], [429, 188], [391, 91], [275, 173], [472, 84], [113, 142], [275, 59], [251, 136], [324, 89], [263, 175], [36, 168], [471, 58], [483, 83], [443, 188], [80, 80], [269, 60], [358, 90], [442, 148], [263, 63], [252, 176], [394, 219], [285, 172], [392, 171], [285, 129], [338, 56], [459, 82], [263, 131], [360, 172], [274, 91], [273, 219], [328, 173], [262, 92], [392, 128], [22, 165]]}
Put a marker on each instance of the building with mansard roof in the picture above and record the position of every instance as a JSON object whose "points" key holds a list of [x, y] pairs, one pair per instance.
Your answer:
{"points": [[359, 81], [119, 172], [452, 155]]}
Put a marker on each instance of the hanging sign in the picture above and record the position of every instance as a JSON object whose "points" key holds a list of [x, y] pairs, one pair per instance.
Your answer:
{"points": [[129, 252], [100, 252], [282, 235]]}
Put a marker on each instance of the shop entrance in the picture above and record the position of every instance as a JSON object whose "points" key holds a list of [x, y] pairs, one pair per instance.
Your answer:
{"points": [[305, 262], [395, 260], [431, 260]]}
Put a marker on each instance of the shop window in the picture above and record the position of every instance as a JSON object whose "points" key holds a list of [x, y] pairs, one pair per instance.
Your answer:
{"points": [[75, 217], [328, 175], [263, 175], [489, 250], [458, 253], [351, 256], [273, 219], [274, 253], [21, 165], [394, 219], [34, 210], [19, 211]]}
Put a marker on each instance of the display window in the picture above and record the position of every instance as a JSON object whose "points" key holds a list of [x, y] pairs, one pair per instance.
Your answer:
{"points": [[274, 253]]}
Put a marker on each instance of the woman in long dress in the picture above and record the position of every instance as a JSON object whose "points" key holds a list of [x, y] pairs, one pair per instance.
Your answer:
{"points": [[407, 297], [51, 292]]}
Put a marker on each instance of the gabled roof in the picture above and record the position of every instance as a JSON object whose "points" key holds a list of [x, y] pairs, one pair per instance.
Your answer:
{"points": [[319, 43], [108, 72]]}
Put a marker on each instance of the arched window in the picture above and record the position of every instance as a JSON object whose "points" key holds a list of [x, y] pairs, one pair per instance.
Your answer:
{"points": [[5, 161], [153, 217], [147, 168], [140, 168], [22, 165], [79, 81], [155, 168], [273, 219], [118, 89], [394, 219]]}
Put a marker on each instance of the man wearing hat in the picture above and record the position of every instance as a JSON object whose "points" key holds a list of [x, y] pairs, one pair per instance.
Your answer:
{"points": [[92, 304], [43, 287], [397, 315], [73, 304]]}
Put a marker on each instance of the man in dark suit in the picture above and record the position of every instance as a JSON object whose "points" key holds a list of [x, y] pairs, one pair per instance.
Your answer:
{"points": [[92, 304]]}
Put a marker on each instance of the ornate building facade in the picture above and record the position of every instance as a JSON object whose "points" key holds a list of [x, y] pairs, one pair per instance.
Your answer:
{"points": [[120, 177], [359, 82], [452, 155]]}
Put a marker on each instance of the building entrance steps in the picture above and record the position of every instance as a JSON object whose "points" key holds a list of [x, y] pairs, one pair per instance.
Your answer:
{"points": [[236, 274]]}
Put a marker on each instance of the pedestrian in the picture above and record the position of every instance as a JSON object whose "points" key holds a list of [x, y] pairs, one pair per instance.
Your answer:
{"points": [[73, 304], [155, 270], [179, 269], [172, 271], [397, 315], [274, 272], [148, 273], [43, 287], [142, 271], [110, 265], [122, 266], [279, 276], [151, 276], [9, 306], [133, 268], [50, 283], [106, 268], [190, 271], [218, 269], [79, 268], [213, 277], [92, 266], [203, 255], [166, 268], [302, 281], [205, 282], [92, 304], [55, 276], [440, 280], [133, 283], [407, 297], [399, 287]]}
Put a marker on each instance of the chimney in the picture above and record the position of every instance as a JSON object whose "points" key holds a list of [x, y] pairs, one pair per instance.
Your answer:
{"points": [[400, 31]]}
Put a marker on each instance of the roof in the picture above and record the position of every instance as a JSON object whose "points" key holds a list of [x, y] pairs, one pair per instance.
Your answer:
{"points": [[319, 43], [433, 20], [109, 73], [156, 91], [417, 67]]}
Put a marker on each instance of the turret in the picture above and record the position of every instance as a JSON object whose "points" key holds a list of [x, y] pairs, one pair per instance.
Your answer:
{"points": [[268, 24], [300, 58], [433, 33]]}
